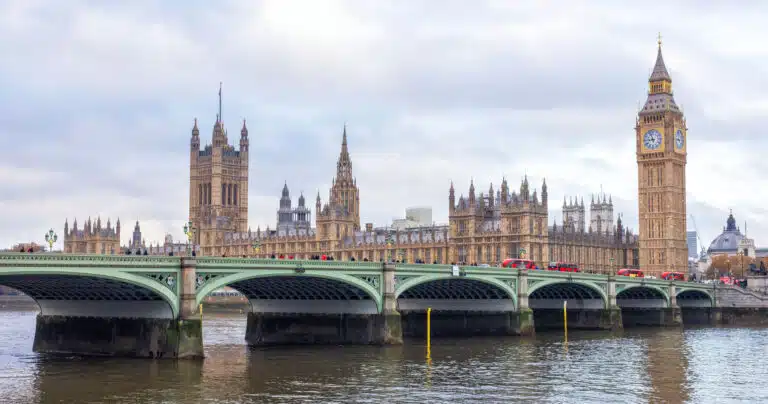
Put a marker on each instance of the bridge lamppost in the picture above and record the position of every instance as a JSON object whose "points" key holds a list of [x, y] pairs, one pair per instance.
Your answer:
{"points": [[189, 231], [741, 262], [51, 238], [389, 248], [256, 247], [611, 269], [400, 255]]}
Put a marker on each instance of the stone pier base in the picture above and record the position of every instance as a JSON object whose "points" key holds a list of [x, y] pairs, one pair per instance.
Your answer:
{"points": [[658, 317], [300, 329], [467, 323], [128, 337], [579, 319]]}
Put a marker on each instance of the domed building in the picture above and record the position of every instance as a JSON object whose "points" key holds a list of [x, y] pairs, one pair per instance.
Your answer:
{"points": [[731, 241]]}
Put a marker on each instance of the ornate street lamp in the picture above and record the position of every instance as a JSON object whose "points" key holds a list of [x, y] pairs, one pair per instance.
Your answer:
{"points": [[389, 248], [189, 231], [611, 270], [51, 238], [256, 247], [741, 262]]}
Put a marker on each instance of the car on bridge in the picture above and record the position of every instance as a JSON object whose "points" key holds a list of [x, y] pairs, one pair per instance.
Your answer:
{"points": [[632, 273]]}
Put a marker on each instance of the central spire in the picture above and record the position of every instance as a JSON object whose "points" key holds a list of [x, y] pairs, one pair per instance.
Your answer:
{"points": [[344, 165]]}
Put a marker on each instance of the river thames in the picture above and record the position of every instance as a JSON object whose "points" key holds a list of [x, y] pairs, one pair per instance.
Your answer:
{"points": [[704, 365]]}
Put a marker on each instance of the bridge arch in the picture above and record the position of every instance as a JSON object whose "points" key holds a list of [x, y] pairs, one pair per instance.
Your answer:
{"points": [[94, 292], [694, 298], [579, 294], [446, 292], [286, 291], [642, 296]]}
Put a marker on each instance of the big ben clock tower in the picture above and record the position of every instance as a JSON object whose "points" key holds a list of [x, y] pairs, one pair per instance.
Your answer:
{"points": [[661, 137]]}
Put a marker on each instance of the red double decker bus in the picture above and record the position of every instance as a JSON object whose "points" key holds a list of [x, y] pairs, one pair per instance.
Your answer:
{"points": [[673, 276], [632, 273], [518, 263], [563, 267]]}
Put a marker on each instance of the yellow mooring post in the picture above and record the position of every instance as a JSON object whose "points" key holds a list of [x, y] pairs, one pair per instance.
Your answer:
{"points": [[565, 319], [429, 333]]}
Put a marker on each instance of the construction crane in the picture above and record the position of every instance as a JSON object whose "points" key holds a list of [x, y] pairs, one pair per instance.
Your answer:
{"points": [[695, 228]]}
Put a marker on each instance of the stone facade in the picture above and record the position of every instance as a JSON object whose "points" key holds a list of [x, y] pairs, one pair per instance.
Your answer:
{"points": [[218, 185], [92, 238], [661, 137], [482, 229]]}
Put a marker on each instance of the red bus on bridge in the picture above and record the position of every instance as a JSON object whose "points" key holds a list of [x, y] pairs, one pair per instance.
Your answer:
{"points": [[673, 276], [563, 267], [632, 273], [518, 263]]}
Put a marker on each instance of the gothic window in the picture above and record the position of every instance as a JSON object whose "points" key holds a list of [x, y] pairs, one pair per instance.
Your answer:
{"points": [[487, 254], [199, 194], [498, 254], [659, 176], [210, 194], [530, 225], [234, 195], [229, 194]]}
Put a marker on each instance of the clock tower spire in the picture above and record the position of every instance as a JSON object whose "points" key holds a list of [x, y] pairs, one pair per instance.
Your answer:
{"points": [[661, 137]]}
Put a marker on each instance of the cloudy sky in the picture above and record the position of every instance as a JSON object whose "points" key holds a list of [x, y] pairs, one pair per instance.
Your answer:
{"points": [[97, 99]]}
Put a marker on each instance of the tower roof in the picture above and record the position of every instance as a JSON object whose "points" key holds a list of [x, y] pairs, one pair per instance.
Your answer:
{"points": [[659, 69], [660, 96]]}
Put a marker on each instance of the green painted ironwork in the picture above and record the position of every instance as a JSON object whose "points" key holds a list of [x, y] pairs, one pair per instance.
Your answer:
{"points": [[160, 274], [115, 270], [374, 293], [413, 281]]}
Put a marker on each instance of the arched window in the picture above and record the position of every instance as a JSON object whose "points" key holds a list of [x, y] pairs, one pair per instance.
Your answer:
{"points": [[199, 194], [234, 195], [223, 194]]}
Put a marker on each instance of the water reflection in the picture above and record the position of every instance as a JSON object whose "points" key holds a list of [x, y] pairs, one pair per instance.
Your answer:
{"points": [[667, 367], [67, 379], [637, 366]]}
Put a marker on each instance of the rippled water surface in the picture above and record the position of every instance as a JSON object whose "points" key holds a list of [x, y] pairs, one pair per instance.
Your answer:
{"points": [[697, 365]]}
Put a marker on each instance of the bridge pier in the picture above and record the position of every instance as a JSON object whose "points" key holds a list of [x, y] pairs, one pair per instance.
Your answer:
{"points": [[525, 320], [333, 322], [143, 329]]}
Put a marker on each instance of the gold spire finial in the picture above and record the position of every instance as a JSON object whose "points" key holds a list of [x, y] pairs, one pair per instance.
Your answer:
{"points": [[659, 40]]}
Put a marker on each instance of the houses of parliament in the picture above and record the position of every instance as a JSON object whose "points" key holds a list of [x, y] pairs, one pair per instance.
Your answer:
{"points": [[484, 227]]}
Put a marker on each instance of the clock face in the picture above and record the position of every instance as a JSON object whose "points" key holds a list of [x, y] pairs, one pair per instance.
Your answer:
{"points": [[679, 139], [652, 139]]}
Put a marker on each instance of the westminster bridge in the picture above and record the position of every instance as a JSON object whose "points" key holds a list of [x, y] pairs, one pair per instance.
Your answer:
{"points": [[149, 306]]}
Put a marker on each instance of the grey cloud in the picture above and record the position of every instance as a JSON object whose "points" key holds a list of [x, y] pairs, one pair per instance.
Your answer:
{"points": [[430, 94]]}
